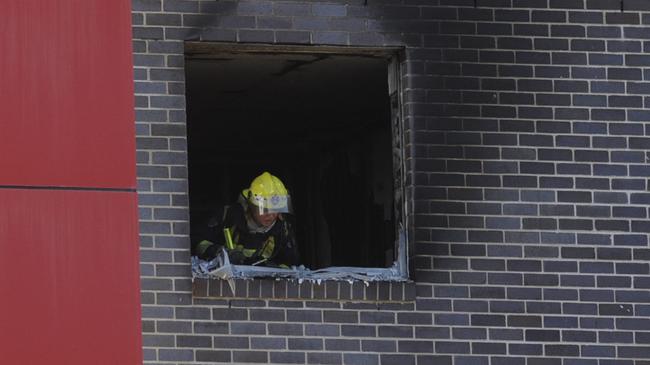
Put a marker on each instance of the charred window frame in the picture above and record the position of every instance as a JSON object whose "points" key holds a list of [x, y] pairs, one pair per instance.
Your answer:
{"points": [[398, 270]]}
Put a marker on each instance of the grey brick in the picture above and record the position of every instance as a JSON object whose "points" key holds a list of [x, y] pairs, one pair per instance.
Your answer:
{"points": [[542, 335], [194, 341], [304, 316], [378, 346], [291, 8], [213, 356], [250, 356], [478, 320], [231, 342], [396, 359], [274, 22], [181, 6], [158, 340], [310, 23], [172, 102], [444, 347], [506, 334], [244, 328], [211, 327], [331, 10], [395, 331], [163, 19], [310, 344], [342, 345], [146, 5], [287, 329], [340, 317], [360, 359], [213, 34], [327, 37], [175, 355], [358, 331], [267, 315], [254, 8], [255, 36], [324, 358]]}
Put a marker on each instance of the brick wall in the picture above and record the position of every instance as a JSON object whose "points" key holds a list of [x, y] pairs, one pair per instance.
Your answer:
{"points": [[528, 147]]}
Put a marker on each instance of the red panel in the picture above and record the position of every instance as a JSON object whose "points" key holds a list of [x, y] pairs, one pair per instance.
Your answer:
{"points": [[70, 281], [66, 93]]}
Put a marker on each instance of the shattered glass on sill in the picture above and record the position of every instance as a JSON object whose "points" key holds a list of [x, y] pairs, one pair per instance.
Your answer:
{"points": [[221, 268]]}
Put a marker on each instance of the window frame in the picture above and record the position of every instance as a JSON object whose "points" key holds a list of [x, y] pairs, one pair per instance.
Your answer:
{"points": [[399, 271]]}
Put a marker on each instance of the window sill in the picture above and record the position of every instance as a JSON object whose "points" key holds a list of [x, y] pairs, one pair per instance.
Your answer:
{"points": [[269, 288]]}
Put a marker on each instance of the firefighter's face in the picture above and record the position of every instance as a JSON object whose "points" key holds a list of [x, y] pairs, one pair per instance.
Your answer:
{"points": [[264, 220]]}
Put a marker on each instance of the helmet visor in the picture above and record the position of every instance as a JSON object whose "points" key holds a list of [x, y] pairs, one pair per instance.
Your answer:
{"points": [[272, 204]]}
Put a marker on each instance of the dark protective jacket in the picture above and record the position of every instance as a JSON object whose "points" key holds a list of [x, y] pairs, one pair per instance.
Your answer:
{"points": [[273, 247]]}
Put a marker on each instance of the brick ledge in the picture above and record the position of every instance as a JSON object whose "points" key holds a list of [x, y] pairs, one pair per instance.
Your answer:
{"points": [[269, 288]]}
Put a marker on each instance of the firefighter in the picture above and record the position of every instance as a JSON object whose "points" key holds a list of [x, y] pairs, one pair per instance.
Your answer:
{"points": [[256, 229]]}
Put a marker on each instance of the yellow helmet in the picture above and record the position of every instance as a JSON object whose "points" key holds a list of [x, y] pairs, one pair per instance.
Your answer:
{"points": [[268, 193]]}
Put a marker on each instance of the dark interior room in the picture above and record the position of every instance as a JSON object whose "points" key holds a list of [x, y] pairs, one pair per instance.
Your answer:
{"points": [[319, 122]]}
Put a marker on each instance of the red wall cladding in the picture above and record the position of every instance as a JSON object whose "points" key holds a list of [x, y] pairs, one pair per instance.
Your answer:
{"points": [[69, 285], [69, 278], [65, 87]]}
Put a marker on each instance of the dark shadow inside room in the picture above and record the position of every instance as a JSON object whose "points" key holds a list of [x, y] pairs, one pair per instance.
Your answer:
{"points": [[319, 122]]}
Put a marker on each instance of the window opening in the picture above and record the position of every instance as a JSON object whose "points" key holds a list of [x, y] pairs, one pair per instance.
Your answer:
{"points": [[327, 122]]}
